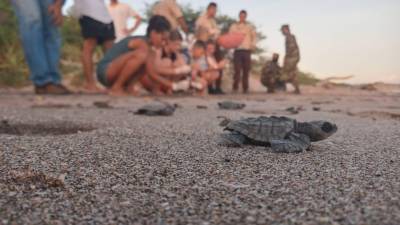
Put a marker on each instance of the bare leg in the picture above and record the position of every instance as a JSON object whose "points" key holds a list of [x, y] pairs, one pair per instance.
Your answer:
{"points": [[107, 45], [238, 64], [133, 85], [87, 61], [204, 84], [246, 70], [295, 82], [117, 65], [130, 69]]}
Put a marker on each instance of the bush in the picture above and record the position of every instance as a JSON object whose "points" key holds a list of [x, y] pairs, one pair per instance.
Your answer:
{"points": [[13, 70], [307, 78]]}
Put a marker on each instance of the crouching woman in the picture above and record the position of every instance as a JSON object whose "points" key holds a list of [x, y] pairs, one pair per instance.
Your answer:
{"points": [[128, 60]]}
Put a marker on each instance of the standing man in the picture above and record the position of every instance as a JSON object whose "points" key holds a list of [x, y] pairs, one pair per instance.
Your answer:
{"points": [[292, 58], [120, 14], [41, 40], [206, 26], [97, 28], [172, 12], [242, 55]]}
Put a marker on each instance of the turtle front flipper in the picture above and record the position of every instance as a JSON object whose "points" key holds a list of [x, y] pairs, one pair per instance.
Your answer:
{"points": [[294, 143], [233, 139]]}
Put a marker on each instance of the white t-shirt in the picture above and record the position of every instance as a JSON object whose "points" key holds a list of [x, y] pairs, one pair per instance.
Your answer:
{"points": [[95, 9], [120, 14]]}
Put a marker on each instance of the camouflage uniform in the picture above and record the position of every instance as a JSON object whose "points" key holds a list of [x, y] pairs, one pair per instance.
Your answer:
{"points": [[292, 58], [270, 74]]}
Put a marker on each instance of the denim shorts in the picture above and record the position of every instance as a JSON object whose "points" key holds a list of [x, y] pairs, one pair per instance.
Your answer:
{"points": [[102, 74]]}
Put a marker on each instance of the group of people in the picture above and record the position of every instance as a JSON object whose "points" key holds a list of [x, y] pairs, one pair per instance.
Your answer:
{"points": [[156, 61]]}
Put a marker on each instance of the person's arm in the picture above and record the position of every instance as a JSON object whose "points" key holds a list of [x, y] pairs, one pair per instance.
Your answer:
{"points": [[183, 24], [152, 72], [138, 21], [214, 31], [138, 44], [55, 11], [232, 28], [195, 70], [198, 23], [222, 64], [178, 14], [177, 72], [169, 69], [253, 36]]}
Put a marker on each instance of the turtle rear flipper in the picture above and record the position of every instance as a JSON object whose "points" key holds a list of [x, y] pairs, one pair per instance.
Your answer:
{"points": [[233, 139], [294, 143]]}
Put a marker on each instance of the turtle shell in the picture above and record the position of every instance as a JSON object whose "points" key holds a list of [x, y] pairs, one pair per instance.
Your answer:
{"points": [[157, 109], [263, 129], [231, 105]]}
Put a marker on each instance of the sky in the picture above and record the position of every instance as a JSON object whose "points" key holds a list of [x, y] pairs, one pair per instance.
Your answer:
{"points": [[336, 37]]}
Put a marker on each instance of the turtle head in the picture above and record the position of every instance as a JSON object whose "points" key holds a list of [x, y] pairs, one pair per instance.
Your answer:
{"points": [[317, 130]]}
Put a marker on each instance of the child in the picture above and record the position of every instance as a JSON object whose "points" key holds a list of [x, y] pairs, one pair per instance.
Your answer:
{"points": [[202, 76], [126, 62], [171, 65], [215, 67]]}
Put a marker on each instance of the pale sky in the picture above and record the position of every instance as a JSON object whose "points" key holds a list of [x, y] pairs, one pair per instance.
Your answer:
{"points": [[336, 37]]}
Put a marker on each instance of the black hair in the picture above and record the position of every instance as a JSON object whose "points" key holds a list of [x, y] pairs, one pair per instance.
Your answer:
{"points": [[175, 36], [158, 24], [243, 11], [200, 44], [211, 42], [212, 4]]}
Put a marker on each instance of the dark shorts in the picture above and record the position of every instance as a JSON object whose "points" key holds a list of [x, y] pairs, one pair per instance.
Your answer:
{"points": [[91, 28]]}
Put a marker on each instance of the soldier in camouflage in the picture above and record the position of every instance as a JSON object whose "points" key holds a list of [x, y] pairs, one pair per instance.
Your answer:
{"points": [[292, 58], [271, 73]]}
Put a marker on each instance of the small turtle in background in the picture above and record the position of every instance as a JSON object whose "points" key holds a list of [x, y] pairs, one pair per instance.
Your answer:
{"points": [[282, 134], [295, 110], [157, 109], [229, 105], [102, 104]]}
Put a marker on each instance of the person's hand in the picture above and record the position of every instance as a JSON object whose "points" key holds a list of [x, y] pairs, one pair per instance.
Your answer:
{"points": [[125, 31], [222, 64], [181, 85], [185, 69], [194, 75], [195, 67], [56, 13]]}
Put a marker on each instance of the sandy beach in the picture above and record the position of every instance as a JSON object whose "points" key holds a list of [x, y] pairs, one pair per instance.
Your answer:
{"points": [[74, 160]]}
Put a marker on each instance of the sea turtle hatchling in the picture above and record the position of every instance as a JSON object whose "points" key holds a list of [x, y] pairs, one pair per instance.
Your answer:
{"points": [[229, 105], [157, 109], [282, 134]]}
